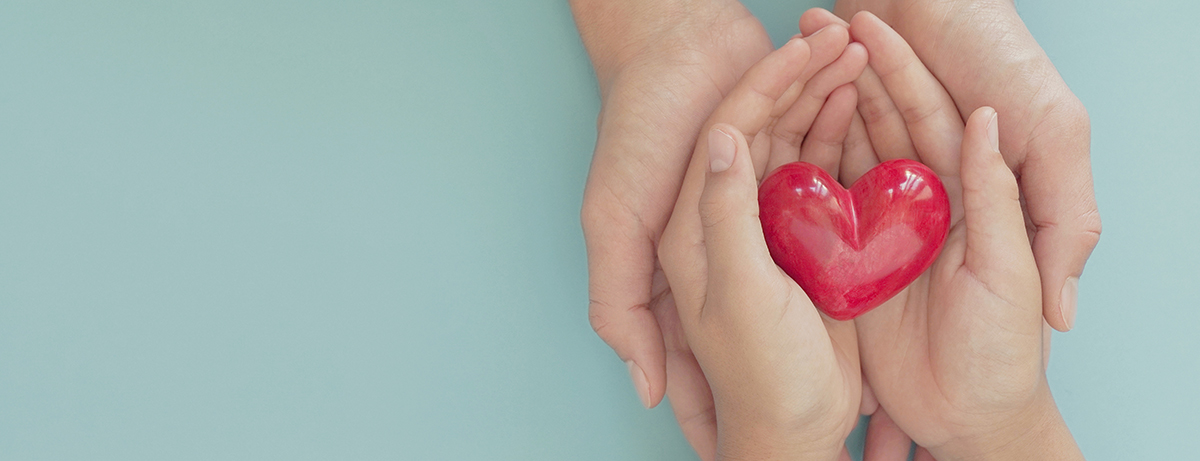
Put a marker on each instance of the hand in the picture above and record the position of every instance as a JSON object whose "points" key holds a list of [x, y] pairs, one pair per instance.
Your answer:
{"points": [[984, 55], [956, 358], [662, 68], [784, 378]]}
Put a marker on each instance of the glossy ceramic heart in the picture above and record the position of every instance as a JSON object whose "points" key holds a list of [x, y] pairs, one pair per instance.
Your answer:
{"points": [[851, 250]]}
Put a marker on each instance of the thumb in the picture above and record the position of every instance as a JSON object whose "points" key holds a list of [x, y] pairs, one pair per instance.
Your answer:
{"points": [[997, 244], [736, 250]]}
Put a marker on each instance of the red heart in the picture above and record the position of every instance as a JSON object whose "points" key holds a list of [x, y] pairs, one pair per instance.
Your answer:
{"points": [[851, 250]]}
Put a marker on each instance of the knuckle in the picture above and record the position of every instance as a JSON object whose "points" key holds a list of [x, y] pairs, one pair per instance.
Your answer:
{"points": [[600, 315], [1077, 114], [1090, 228], [598, 320], [590, 214]]}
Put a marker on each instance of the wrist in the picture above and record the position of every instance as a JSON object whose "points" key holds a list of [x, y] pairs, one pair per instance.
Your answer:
{"points": [[1039, 433], [770, 444], [617, 33], [763, 436]]}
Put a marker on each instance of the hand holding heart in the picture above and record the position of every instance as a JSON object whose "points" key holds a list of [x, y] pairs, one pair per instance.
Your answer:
{"points": [[785, 381], [955, 359]]}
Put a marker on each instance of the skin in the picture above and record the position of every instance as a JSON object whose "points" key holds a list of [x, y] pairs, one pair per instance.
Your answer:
{"points": [[644, 142], [662, 67], [784, 379], [934, 354], [690, 53], [984, 55], [956, 360]]}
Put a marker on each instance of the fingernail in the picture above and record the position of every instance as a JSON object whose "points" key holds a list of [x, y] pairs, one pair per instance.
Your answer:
{"points": [[640, 383], [994, 132], [721, 149], [1070, 300]]}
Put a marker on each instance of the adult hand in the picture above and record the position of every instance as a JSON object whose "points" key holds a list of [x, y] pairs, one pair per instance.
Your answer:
{"points": [[784, 379], [662, 66], [983, 54]]}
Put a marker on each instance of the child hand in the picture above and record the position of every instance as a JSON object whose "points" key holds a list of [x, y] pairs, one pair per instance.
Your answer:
{"points": [[955, 360], [784, 381]]}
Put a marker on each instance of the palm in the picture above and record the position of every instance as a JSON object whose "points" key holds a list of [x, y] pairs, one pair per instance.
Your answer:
{"points": [[931, 358], [985, 56]]}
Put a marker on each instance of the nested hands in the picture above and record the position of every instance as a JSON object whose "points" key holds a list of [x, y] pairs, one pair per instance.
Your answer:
{"points": [[663, 67], [955, 360], [785, 381]]}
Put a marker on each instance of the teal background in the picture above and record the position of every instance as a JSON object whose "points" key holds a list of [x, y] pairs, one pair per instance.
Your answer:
{"points": [[349, 230]]}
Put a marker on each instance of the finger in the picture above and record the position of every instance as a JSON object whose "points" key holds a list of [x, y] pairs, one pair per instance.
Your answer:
{"points": [[1057, 181], [996, 236], [844, 455], [868, 405], [747, 108], [1046, 338], [818, 78], [816, 18], [687, 389], [933, 121], [692, 402], [790, 131], [621, 268], [736, 251], [823, 146], [885, 441], [858, 155], [750, 104], [883, 121], [922, 454]]}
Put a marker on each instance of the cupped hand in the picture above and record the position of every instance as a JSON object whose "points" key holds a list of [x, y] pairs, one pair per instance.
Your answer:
{"points": [[984, 55], [661, 74], [785, 381], [956, 359], [661, 69]]}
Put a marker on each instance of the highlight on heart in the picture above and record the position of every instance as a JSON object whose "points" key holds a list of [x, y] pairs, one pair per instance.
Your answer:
{"points": [[851, 250]]}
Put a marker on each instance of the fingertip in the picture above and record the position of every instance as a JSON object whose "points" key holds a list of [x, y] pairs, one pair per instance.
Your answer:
{"points": [[727, 145], [836, 34], [864, 17], [857, 54], [816, 18], [982, 143], [865, 27], [722, 148], [993, 129]]}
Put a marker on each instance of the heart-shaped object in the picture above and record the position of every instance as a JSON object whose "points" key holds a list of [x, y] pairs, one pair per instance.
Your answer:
{"points": [[851, 250]]}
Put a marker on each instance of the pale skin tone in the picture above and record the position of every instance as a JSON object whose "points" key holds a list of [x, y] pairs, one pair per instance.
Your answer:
{"points": [[663, 66], [785, 381], [956, 358]]}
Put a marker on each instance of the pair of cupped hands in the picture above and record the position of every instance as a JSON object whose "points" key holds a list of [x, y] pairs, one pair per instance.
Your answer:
{"points": [[955, 362]]}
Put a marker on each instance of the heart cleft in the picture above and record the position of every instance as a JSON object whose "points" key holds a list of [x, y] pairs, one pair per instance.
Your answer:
{"points": [[852, 250]]}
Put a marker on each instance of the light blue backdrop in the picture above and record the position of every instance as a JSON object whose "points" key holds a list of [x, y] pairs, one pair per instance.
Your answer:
{"points": [[291, 230]]}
